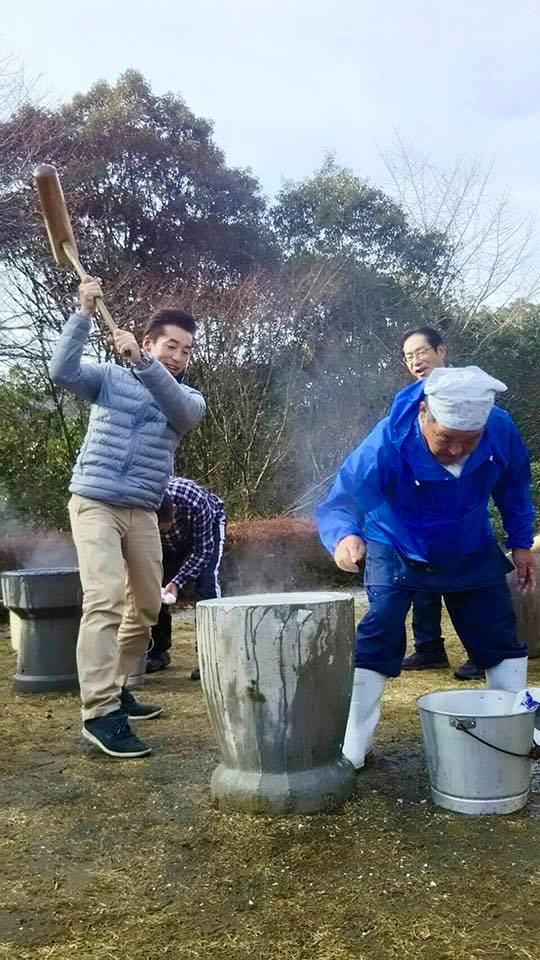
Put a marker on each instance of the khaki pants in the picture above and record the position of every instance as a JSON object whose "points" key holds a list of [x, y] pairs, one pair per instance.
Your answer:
{"points": [[119, 551]]}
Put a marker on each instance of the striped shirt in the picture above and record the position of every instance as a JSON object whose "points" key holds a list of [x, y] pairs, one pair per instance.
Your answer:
{"points": [[192, 535]]}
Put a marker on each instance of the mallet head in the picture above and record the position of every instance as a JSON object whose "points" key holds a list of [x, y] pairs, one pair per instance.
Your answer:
{"points": [[53, 207]]}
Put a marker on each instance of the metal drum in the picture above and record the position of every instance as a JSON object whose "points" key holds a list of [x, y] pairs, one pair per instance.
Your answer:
{"points": [[47, 604]]}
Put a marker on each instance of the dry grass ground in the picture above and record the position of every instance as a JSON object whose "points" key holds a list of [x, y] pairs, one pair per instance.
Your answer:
{"points": [[108, 860]]}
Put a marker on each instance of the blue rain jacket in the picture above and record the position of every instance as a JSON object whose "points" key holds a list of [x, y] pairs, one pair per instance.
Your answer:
{"points": [[392, 490]]}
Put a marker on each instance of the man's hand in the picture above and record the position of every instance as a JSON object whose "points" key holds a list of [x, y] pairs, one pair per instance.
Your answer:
{"points": [[349, 552], [126, 345], [172, 588], [525, 569], [89, 291]]}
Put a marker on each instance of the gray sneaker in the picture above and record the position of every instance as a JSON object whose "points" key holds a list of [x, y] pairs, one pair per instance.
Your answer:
{"points": [[113, 736]]}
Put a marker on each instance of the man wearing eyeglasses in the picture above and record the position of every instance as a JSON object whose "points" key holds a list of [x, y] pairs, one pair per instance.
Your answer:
{"points": [[423, 351]]}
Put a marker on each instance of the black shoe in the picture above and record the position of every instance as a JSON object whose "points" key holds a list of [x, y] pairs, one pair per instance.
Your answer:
{"points": [[138, 711], [113, 735], [159, 662], [468, 671], [426, 661], [195, 674]]}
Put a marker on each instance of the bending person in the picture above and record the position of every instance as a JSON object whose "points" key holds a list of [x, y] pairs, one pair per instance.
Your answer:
{"points": [[193, 539], [413, 498], [423, 351]]}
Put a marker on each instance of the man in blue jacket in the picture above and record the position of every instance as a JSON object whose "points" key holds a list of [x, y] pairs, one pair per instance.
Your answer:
{"points": [[138, 415], [423, 351], [413, 498]]}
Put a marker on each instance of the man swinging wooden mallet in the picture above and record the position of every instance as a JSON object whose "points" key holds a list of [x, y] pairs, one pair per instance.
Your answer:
{"points": [[137, 418]]}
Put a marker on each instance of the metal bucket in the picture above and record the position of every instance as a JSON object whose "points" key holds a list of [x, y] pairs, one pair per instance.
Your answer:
{"points": [[468, 776]]}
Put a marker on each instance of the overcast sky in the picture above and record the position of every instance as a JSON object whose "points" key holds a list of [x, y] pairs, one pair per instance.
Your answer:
{"points": [[286, 81]]}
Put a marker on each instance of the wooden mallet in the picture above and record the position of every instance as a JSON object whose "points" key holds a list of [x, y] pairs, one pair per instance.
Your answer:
{"points": [[61, 239]]}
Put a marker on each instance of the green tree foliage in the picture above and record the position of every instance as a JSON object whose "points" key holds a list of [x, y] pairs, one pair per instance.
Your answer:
{"points": [[37, 447], [251, 368], [151, 200], [302, 306], [386, 278], [336, 214], [507, 343], [148, 191]]}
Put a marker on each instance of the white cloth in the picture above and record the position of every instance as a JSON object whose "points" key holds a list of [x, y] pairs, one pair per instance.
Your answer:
{"points": [[461, 398], [528, 699], [167, 597], [456, 469]]}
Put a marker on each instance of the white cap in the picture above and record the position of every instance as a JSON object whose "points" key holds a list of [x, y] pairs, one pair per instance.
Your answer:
{"points": [[461, 398]]}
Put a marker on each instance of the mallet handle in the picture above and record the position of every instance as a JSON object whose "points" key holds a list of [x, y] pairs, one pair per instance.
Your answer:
{"points": [[82, 273], [71, 255]]}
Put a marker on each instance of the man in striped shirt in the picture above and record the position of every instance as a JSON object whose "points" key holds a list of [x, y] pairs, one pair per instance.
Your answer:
{"points": [[192, 551]]}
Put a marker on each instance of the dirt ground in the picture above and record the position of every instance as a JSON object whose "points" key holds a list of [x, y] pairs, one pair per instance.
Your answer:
{"points": [[109, 860]]}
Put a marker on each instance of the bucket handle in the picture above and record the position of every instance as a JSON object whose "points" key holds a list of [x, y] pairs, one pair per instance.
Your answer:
{"points": [[464, 727]]}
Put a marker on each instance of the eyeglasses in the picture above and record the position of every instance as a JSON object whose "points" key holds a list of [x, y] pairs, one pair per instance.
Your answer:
{"points": [[419, 354]]}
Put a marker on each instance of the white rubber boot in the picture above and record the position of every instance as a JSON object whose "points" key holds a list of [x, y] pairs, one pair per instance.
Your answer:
{"points": [[364, 714], [508, 675]]}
